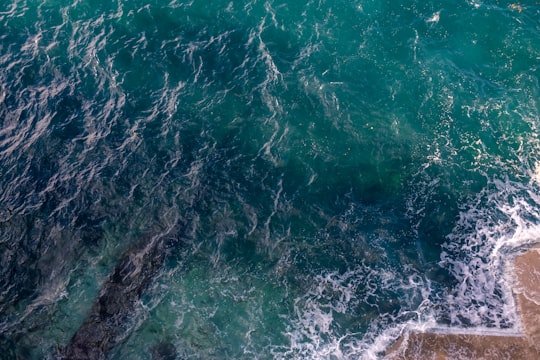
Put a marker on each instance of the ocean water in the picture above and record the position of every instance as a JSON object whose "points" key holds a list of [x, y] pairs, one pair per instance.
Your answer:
{"points": [[312, 177]]}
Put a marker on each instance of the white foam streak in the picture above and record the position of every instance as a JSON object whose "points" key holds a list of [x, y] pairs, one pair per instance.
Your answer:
{"points": [[267, 231], [501, 222], [316, 335], [11, 11], [434, 18]]}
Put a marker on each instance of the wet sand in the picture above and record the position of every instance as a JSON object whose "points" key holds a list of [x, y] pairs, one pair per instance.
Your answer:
{"points": [[489, 347]]}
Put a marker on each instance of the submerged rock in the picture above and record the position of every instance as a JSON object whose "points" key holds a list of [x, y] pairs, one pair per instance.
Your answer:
{"points": [[113, 311], [164, 351]]}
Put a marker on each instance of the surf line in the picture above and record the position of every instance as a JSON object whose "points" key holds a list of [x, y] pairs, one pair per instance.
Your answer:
{"points": [[524, 346], [112, 311]]}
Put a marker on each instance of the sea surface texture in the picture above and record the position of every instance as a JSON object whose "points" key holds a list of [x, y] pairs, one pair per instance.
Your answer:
{"points": [[262, 179]]}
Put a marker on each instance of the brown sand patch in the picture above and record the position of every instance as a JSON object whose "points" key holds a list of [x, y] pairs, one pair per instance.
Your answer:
{"points": [[486, 347], [527, 271], [460, 346]]}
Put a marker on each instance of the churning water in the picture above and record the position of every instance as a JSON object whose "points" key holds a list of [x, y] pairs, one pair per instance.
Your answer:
{"points": [[287, 179]]}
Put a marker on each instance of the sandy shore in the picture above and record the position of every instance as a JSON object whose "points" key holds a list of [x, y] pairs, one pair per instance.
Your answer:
{"points": [[489, 347]]}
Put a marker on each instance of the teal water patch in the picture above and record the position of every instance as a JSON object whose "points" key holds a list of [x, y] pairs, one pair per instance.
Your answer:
{"points": [[334, 171]]}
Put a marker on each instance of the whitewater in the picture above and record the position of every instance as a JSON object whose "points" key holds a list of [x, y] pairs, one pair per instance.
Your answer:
{"points": [[262, 179]]}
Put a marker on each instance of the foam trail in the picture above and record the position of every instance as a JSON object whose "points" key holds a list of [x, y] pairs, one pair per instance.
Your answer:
{"points": [[315, 333], [503, 220]]}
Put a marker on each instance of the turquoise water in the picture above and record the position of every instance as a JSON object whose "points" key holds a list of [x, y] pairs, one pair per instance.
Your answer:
{"points": [[320, 175]]}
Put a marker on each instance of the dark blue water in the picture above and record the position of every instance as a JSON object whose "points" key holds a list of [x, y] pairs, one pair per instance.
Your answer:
{"points": [[262, 179]]}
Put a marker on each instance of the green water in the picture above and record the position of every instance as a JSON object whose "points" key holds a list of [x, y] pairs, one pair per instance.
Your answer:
{"points": [[331, 172]]}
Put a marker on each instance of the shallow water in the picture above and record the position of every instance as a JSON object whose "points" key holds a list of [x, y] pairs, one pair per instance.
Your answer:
{"points": [[321, 175]]}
